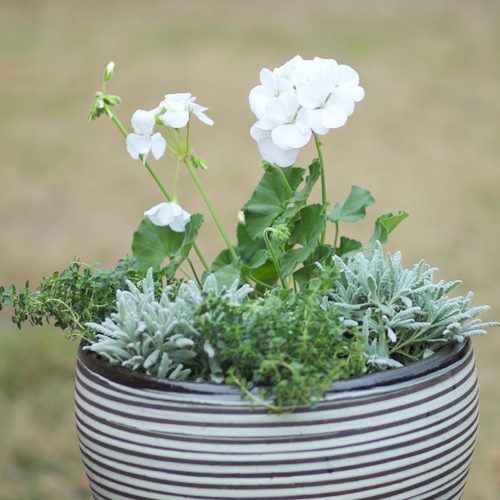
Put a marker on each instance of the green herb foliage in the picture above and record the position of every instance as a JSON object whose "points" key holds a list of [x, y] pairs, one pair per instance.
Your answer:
{"points": [[72, 297], [283, 349]]}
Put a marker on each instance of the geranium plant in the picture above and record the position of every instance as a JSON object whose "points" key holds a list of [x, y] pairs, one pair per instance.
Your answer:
{"points": [[290, 305]]}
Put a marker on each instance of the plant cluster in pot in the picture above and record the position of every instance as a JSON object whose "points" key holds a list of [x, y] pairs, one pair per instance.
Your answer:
{"points": [[295, 365]]}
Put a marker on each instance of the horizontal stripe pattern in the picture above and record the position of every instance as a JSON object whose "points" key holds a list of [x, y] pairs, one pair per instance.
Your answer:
{"points": [[411, 439]]}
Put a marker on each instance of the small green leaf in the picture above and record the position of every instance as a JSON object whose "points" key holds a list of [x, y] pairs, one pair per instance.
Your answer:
{"points": [[314, 173], [151, 244], [353, 208], [348, 245], [384, 226]]}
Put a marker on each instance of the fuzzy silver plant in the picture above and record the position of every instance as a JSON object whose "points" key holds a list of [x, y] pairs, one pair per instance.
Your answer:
{"points": [[157, 336], [401, 312]]}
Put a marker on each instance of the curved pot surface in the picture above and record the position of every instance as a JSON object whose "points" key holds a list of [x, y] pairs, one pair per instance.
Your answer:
{"points": [[404, 434]]}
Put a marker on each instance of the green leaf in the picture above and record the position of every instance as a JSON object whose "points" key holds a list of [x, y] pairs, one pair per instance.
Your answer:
{"points": [[384, 226], [228, 274], [306, 233], [348, 245], [152, 244], [269, 198], [354, 208], [314, 173]]}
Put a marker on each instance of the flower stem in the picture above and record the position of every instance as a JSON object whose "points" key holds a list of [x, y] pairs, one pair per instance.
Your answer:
{"points": [[209, 205], [323, 182], [285, 180], [158, 181], [274, 257], [336, 236]]}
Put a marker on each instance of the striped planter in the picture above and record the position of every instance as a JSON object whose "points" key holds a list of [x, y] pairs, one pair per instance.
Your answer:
{"points": [[403, 434]]}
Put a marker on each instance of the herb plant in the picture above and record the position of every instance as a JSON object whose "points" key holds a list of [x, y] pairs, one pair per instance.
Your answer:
{"points": [[70, 298]]}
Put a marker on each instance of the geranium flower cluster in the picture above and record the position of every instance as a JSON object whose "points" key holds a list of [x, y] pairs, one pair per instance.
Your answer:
{"points": [[298, 99], [174, 111]]}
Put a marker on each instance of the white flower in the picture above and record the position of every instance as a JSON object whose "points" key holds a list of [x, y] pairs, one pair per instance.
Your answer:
{"points": [[175, 110], [143, 140], [269, 151], [169, 214], [301, 97]]}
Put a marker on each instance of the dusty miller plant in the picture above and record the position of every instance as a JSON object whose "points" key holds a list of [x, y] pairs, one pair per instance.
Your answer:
{"points": [[157, 336], [403, 314]]}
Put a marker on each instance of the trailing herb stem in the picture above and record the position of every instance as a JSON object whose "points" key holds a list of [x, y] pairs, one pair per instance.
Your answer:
{"points": [[323, 182]]}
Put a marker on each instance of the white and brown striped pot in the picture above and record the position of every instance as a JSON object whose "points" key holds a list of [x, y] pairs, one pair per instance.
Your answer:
{"points": [[403, 434]]}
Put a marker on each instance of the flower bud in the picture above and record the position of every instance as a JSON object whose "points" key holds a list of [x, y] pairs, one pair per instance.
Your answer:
{"points": [[108, 72]]}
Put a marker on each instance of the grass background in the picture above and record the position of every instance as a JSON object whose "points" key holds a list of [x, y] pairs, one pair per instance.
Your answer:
{"points": [[426, 139]]}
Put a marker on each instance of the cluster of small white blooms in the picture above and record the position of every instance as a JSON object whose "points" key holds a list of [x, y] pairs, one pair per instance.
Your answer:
{"points": [[174, 111], [302, 97], [169, 214]]}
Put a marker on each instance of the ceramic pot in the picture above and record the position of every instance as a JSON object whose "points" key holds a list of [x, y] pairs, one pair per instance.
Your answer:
{"points": [[402, 434]]}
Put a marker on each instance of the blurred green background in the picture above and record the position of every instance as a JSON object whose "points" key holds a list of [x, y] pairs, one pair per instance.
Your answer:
{"points": [[426, 139]]}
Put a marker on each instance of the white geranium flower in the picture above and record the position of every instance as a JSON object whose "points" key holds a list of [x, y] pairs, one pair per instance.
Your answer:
{"points": [[169, 214], [175, 110], [143, 140], [268, 149], [288, 122], [272, 85]]}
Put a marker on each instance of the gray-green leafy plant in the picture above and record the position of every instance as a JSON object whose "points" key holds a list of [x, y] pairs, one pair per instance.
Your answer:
{"points": [[156, 336], [403, 314]]}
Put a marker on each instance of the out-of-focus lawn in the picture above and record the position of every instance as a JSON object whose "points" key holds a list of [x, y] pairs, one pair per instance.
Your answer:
{"points": [[425, 139]]}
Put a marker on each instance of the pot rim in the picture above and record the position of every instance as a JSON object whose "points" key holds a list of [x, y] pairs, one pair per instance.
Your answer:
{"points": [[446, 356]]}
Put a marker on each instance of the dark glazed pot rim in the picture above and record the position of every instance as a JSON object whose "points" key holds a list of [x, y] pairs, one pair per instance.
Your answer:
{"points": [[446, 356]]}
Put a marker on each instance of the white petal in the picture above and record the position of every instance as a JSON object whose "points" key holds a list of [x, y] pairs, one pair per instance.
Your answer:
{"points": [[341, 98], [290, 136], [272, 154], [347, 76], [316, 126], [258, 133], [143, 122], [178, 97], [358, 93], [290, 103], [333, 117], [204, 118], [158, 145], [175, 119], [267, 78], [137, 145], [314, 94], [159, 215], [258, 98]]}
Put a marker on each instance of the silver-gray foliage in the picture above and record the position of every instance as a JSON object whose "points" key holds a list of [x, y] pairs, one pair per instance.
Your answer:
{"points": [[157, 336], [402, 312]]}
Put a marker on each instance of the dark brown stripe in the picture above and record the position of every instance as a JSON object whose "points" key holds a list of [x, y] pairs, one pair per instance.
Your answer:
{"points": [[330, 470], [318, 437], [308, 484], [126, 451], [414, 404], [338, 403]]}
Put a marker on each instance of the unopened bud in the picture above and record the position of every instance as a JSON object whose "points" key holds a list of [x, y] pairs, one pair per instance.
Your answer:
{"points": [[108, 72]]}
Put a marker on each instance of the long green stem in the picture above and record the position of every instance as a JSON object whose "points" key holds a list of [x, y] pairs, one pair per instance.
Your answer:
{"points": [[209, 205], [274, 257], [336, 235], [285, 180], [158, 181], [323, 182]]}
